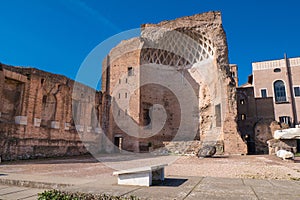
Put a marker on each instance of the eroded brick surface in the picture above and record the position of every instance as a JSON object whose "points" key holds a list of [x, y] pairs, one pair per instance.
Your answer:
{"points": [[180, 45], [40, 111], [36, 114]]}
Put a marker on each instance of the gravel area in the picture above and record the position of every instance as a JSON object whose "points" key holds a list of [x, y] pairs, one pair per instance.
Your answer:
{"points": [[253, 167]]}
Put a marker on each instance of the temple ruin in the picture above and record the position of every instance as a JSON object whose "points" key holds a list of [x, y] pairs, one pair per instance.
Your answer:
{"points": [[183, 66], [172, 84]]}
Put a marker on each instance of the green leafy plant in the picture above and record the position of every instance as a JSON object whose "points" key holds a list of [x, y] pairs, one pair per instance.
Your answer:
{"points": [[61, 195]]}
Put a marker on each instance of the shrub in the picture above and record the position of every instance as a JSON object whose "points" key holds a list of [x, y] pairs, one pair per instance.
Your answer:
{"points": [[61, 195]]}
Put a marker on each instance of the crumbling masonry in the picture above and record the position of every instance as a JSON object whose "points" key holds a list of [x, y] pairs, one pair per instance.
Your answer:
{"points": [[171, 84], [36, 114], [136, 76]]}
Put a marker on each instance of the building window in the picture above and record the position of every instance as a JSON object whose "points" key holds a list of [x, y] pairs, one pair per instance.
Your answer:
{"points": [[297, 91], [130, 71], [285, 119], [146, 118], [125, 95], [119, 96], [233, 74], [263, 93], [119, 81], [242, 101], [279, 91], [243, 116]]}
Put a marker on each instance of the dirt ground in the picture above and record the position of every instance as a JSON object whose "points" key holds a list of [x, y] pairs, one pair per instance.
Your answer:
{"points": [[253, 167]]}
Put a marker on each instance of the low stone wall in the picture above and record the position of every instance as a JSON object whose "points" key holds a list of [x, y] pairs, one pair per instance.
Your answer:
{"points": [[15, 145]]}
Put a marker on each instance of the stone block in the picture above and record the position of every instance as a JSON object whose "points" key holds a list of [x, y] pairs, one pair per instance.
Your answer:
{"points": [[55, 125], [21, 120], [79, 128], [37, 122], [141, 176], [207, 151], [67, 126], [89, 129], [98, 130], [140, 179]]}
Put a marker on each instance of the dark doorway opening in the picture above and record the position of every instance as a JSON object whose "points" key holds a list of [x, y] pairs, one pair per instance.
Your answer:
{"points": [[250, 145], [118, 142], [144, 148], [146, 117]]}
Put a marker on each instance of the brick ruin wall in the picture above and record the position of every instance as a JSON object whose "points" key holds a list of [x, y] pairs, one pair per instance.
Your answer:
{"points": [[208, 31], [37, 108], [36, 115]]}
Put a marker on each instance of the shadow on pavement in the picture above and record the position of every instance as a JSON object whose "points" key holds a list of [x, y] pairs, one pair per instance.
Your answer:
{"points": [[170, 182]]}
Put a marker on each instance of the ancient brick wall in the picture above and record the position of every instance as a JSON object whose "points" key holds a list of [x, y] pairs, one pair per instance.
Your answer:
{"points": [[168, 44], [36, 115], [1, 87], [255, 116], [217, 107], [120, 85]]}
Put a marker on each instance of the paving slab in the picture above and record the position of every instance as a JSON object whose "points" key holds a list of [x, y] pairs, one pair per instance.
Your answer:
{"points": [[99, 188], [257, 182], [3, 187], [271, 196], [22, 194], [276, 190], [171, 188], [220, 180], [224, 189], [285, 183], [218, 196], [11, 190], [37, 181]]}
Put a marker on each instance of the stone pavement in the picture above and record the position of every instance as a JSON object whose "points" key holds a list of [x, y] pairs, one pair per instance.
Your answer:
{"points": [[201, 188], [14, 193], [171, 188], [24, 179]]}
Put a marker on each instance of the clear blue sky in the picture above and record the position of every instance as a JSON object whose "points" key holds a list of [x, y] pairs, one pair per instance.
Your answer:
{"points": [[57, 35]]}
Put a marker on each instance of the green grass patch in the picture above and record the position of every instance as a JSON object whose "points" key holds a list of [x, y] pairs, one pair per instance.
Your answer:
{"points": [[60, 195], [297, 154]]}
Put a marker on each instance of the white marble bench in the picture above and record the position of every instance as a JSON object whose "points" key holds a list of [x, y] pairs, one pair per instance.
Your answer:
{"points": [[141, 176]]}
